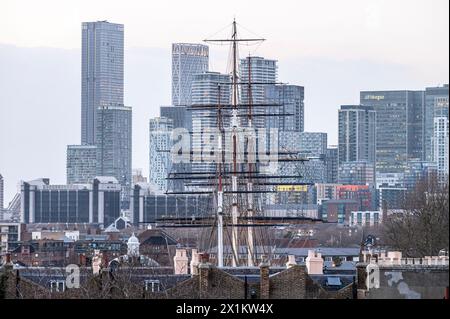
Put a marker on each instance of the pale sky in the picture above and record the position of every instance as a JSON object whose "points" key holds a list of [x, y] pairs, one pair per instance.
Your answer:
{"points": [[333, 48]]}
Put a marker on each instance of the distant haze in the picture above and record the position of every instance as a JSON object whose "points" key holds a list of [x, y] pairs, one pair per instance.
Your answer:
{"points": [[333, 48]]}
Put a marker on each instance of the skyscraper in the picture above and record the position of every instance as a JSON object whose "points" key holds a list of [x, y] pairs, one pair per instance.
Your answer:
{"points": [[436, 105], [262, 72], [114, 143], [2, 190], [205, 91], [187, 60], [160, 133], [101, 72], [332, 164], [289, 99], [399, 127], [81, 163], [440, 143], [313, 144], [356, 133]]}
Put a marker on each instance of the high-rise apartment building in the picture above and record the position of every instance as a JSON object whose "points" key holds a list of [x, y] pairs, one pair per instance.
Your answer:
{"points": [[187, 60], [160, 133], [205, 91], [287, 99], [2, 192], [262, 72], [81, 166], [356, 133], [399, 127], [101, 72], [436, 106], [114, 143], [332, 164]]}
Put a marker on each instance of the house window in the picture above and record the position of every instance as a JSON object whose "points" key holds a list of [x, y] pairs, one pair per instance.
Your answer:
{"points": [[328, 258], [152, 285], [57, 286]]}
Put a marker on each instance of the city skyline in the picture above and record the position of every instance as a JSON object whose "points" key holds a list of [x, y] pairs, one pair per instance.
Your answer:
{"points": [[146, 110]]}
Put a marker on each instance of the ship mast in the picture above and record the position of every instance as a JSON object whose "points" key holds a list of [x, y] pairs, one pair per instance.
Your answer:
{"points": [[235, 126]]}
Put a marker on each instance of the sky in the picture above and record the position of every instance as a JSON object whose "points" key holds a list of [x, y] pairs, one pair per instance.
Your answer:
{"points": [[333, 48]]}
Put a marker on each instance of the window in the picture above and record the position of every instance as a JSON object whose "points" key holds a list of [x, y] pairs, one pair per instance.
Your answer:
{"points": [[57, 286], [329, 259], [152, 285]]}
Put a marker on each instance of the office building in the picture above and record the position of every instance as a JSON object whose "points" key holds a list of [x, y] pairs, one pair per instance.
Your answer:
{"points": [[160, 133], [356, 173], [332, 164], [313, 143], [114, 143], [363, 194], [181, 117], [81, 166], [101, 73], [399, 127], [97, 202], [366, 218], [205, 91], [417, 170], [187, 60], [391, 198], [356, 133], [440, 145], [338, 210], [263, 72], [287, 99], [436, 106], [326, 192], [2, 192], [148, 207], [9, 232]]}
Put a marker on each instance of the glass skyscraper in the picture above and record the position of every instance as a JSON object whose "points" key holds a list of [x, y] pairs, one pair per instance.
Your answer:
{"points": [[356, 133], [101, 72], [288, 99], [262, 72], [160, 131], [187, 60], [399, 127], [81, 163], [114, 143]]}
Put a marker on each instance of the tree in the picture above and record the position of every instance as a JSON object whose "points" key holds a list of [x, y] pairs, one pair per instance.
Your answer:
{"points": [[423, 228]]}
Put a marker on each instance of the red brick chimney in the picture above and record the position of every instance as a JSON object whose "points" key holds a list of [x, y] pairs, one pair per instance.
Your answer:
{"points": [[264, 280], [203, 275]]}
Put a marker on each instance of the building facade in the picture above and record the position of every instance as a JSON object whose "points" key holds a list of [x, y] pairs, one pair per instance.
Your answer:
{"points": [[399, 127], [436, 106], [97, 202], [114, 143], [101, 72], [356, 173], [2, 192], [187, 60], [366, 218], [356, 133], [208, 88], [287, 99], [81, 164], [147, 207], [262, 72], [160, 134], [332, 159]]}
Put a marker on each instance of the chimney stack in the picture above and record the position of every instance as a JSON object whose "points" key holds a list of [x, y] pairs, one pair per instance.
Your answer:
{"points": [[314, 263], [180, 262], [264, 279], [291, 261], [194, 262], [203, 274]]}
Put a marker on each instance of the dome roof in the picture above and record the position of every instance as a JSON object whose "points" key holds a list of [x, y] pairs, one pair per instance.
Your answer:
{"points": [[133, 240]]}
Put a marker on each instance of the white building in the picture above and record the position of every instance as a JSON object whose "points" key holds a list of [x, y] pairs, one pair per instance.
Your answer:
{"points": [[440, 144], [160, 130], [366, 218]]}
